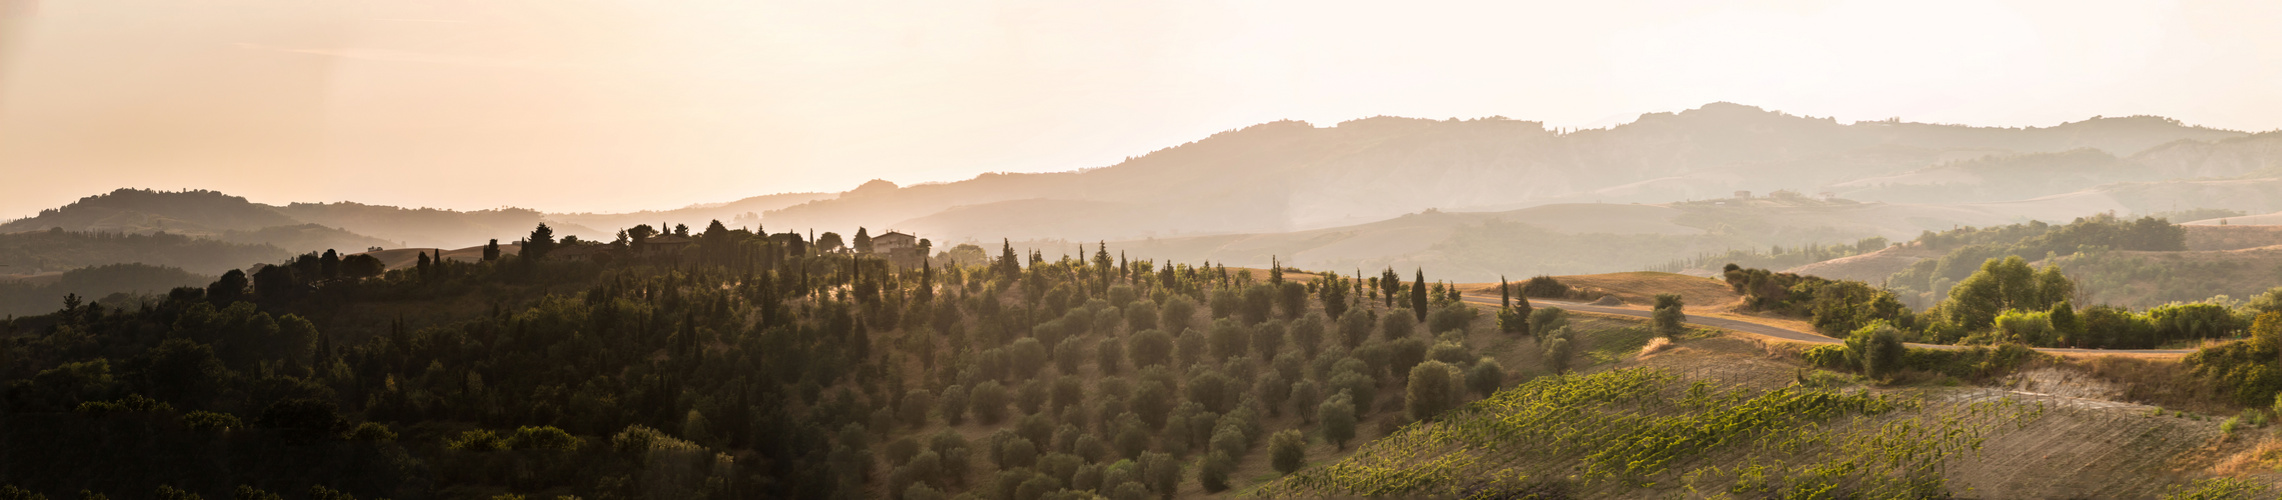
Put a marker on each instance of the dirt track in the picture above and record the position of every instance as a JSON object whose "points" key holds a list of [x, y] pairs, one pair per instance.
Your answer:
{"points": [[1782, 333]]}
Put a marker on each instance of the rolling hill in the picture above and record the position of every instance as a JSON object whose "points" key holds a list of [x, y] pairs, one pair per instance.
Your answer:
{"points": [[1563, 238], [1292, 176]]}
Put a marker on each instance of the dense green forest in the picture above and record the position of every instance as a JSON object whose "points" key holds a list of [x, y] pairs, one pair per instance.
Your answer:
{"points": [[743, 366]]}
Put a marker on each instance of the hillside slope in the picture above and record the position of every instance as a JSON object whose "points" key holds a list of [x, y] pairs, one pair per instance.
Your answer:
{"points": [[1563, 238], [1285, 176], [1720, 415]]}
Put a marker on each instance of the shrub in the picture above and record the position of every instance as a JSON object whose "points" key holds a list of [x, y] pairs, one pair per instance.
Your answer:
{"points": [[1876, 349], [1229, 339], [1338, 417], [1452, 317], [1287, 450], [476, 440], [1307, 334], [1213, 473], [1545, 321], [370, 431], [1354, 327], [1557, 353], [1668, 315], [1433, 388], [988, 402], [1485, 377], [1176, 315], [1450, 352], [1544, 286], [1397, 326], [1268, 339], [953, 405], [206, 420]]}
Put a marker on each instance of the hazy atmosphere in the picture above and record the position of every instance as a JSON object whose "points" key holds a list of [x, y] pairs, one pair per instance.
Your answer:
{"points": [[1172, 250], [591, 105]]}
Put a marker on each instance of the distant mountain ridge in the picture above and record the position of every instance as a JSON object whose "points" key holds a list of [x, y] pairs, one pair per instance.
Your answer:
{"points": [[1287, 175], [347, 226]]}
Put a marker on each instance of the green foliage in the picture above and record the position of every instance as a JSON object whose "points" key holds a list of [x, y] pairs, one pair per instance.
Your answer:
{"points": [[1877, 350], [1970, 247], [1338, 416], [1213, 472], [133, 403], [171, 493], [1557, 351], [207, 420], [251, 493], [1642, 426], [1485, 377], [1832, 306], [1668, 315], [1542, 286], [1397, 326], [2246, 369], [476, 440], [2218, 488], [1451, 317], [2000, 285], [11, 492], [1433, 388], [1287, 450]]}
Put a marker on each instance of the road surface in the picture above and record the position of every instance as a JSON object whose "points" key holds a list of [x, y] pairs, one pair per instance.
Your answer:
{"points": [[1779, 332]]}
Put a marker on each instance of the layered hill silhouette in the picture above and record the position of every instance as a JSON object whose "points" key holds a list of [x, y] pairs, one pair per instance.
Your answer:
{"points": [[1288, 176], [1289, 188]]}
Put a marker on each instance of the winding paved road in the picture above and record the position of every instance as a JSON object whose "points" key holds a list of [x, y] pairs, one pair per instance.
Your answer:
{"points": [[1779, 332]]}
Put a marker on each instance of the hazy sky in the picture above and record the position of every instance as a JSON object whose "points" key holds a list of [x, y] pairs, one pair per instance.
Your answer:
{"points": [[610, 105]]}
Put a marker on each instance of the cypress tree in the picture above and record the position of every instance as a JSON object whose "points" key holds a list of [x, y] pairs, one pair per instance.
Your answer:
{"points": [[1505, 295], [1418, 295]]}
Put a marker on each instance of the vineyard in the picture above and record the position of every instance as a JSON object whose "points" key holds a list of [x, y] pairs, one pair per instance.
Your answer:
{"points": [[1646, 429]]}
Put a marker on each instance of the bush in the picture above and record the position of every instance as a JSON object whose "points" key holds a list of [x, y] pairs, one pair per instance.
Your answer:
{"points": [[1307, 334], [1830, 356], [1229, 339], [1177, 315], [1668, 315], [1433, 388], [1544, 286], [1338, 417], [1354, 327], [953, 405], [206, 420], [476, 440], [1213, 473], [370, 431], [1485, 377], [1452, 317], [1150, 348], [1287, 450], [1557, 353], [988, 402], [1397, 326], [1876, 350]]}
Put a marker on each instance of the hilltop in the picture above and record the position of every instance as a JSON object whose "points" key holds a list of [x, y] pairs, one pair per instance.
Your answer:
{"points": [[1290, 176]]}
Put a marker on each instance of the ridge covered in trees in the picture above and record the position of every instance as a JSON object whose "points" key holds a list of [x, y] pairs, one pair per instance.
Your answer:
{"points": [[743, 364]]}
